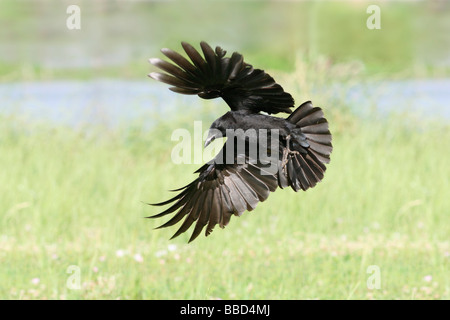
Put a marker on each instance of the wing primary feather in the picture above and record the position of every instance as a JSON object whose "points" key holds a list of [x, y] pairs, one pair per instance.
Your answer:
{"points": [[172, 69], [210, 57], [180, 214], [216, 211], [247, 194], [204, 215], [239, 205], [192, 216], [227, 207], [178, 196], [171, 80], [267, 178], [257, 185], [172, 208], [196, 58], [188, 221], [235, 64], [179, 60], [184, 90]]}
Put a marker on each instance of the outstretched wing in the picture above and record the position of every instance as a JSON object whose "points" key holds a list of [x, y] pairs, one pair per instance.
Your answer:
{"points": [[237, 82], [220, 191]]}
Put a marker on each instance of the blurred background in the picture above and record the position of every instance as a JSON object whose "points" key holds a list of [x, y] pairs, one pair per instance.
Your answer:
{"points": [[85, 142]]}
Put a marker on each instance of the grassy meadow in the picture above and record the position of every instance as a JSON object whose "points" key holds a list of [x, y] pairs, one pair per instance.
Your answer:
{"points": [[75, 198], [72, 198]]}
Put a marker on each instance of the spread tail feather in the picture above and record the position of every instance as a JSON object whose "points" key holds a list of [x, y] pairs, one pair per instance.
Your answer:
{"points": [[303, 170]]}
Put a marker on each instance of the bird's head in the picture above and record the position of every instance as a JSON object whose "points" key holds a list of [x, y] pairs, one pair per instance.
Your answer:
{"points": [[215, 131], [219, 128]]}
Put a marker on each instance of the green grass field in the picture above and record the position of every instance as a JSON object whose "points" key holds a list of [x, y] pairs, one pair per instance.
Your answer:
{"points": [[72, 201], [71, 198]]}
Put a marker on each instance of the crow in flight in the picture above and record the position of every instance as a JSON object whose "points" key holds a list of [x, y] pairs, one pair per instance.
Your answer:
{"points": [[237, 179]]}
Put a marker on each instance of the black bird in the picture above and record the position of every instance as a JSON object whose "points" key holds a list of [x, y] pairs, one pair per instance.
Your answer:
{"points": [[242, 173]]}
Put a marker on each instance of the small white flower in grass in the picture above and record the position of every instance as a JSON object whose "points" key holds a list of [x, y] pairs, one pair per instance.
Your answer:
{"points": [[138, 257], [171, 247], [35, 281], [120, 253], [428, 278], [160, 253]]}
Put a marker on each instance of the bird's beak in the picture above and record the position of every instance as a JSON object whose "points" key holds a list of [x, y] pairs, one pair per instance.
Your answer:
{"points": [[212, 135], [209, 140]]}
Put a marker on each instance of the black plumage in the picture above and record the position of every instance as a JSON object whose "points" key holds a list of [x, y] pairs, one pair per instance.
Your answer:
{"points": [[249, 165]]}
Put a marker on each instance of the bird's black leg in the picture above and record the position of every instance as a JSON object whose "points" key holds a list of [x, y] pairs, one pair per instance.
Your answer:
{"points": [[286, 152], [288, 139]]}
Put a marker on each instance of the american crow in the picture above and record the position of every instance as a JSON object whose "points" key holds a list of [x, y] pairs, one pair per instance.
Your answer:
{"points": [[238, 178]]}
